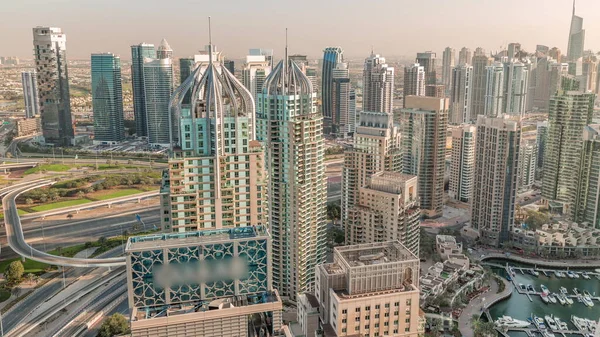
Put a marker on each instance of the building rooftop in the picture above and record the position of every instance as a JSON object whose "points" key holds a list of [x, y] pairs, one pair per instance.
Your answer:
{"points": [[374, 254], [391, 182], [186, 239]]}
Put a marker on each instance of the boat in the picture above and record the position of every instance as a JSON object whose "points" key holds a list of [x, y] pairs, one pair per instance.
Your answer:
{"points": [[575, 291], [557, 273], [575, 275], [535, 273], [508, 277], [509, 322], [530, 288], [585, 275], [545, 289], [561, 325], [539, 322], [552, 299], [588, 302], [587, 293], [571, 274], [568, 299], [522, 287], [545, 298], [551, 323], [563, 290], [560, 298]]}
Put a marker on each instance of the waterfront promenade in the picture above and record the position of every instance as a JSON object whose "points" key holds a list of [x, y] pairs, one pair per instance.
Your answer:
{"points": [[478, 305]]}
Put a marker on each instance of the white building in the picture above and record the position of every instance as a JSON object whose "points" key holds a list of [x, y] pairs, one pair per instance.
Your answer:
{"points": [[378, 84], [448, 61], [414, 81], [462, 164], [30, 94], [255, 71], [516, 77], [460, 97], [464, 56], [343, 110], [494, 90]]}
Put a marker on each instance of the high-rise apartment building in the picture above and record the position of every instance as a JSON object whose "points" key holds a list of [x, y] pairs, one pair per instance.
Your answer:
{"points": [[512, 50], [576, 42], [424, 122], [448, 60], [216, 169], [107, 99], [138, 54], [555, 54], [427, 60], [462, 164], [230, 65], [370, 289], [569, 113], [343, 117], [414, 80], [292, 131], [164, 51], [464, 56], [586, 207], [158, 87], [203, 283], [376, 148], [435, 90], [480, 62], [186, 66], [378, 84], [495, 178], [460, 94], [30, 94], [516, 77], [541, 140], [255, 71], [50, 56], [494, 90], [332, 56], [527, 161], [589, 74]]}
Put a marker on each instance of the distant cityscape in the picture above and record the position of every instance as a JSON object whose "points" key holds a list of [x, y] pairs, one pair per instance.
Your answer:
{"points": [[297, 197]]}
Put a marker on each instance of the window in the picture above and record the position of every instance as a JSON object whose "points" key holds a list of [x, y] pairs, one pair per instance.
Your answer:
{"points": [[395, 330], [343, 330], [357, 319], [407, 329], [357, 309], [387, 305], [396, 322], [356, 328], [397, 304], [368, 307], [368, 317], [377, 306], [377, 325], [367, 326], [386, 323], [344, 311], [344, 320], [387, 314], [396, 313], [407, 320], [408, 302], [376, 315]]}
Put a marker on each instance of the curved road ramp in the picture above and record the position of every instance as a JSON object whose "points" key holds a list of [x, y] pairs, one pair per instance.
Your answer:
{"points": [[16, 240]]}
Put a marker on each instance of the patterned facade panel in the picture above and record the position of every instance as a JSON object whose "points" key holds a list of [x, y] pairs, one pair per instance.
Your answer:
{"points": [[145, 291]]}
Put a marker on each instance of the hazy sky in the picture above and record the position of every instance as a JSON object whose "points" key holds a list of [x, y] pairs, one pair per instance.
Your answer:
{"points": [[393, 27]]}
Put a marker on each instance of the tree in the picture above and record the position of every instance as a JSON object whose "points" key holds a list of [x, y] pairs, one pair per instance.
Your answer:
{"points": [[333, 211], [29, 201], [14, 272], [484, 329], [69, 216], [535, 219], [113, 325], [436, 326], [102, 241], [16, 291], [29, 277], [80, 194]]}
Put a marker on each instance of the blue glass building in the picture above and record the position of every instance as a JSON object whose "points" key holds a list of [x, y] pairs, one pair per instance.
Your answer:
{"points": [[331, 57], [107, 98]]}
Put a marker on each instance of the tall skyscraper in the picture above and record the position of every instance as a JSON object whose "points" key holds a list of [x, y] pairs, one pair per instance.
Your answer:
{"points": [[569, 113], [589, 74], [50, 55], [527, 161], [555, 54], [414, 80], [516, 77], [494, 90], [107, 99], [255, 71], [343, 118], [292, 131], [462, 164], [464, 56], [376, 148], [541, 140], [331, 57], [138, 54], [512, 50], [424, 122], [576, 37], [378, 85], [478, 93], [448, 60], [30, 94], [164, 51], [460, 94], [586, 207], [216, 169], [158, 87], [186, 66], [230, 65], [427, 60], [495, 178]]}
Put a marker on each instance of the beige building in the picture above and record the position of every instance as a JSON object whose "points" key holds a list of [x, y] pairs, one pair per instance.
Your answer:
{"points": [[370, 290], [462, 164], [28, 126], [387, 209], [446, 245], [562, 239]]}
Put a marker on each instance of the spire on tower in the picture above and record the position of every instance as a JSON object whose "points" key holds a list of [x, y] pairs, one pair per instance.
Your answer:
{"points": [[573, 7]]}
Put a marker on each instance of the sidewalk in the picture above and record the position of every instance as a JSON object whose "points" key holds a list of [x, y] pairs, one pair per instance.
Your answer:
{"points": [[479, 304]]}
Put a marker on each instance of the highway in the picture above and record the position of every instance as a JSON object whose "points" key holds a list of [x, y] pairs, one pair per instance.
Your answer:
{"points": [[16, 239]]}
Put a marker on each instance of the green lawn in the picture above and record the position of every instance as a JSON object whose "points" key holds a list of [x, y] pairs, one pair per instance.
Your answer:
{"points": [[110, 194], [49, 167], [29, 265], [60, 204], [4, 294]]}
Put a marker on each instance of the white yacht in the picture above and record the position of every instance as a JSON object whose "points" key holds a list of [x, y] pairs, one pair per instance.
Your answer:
{"points": [[510, 322], [551, 323], [560, 298]]}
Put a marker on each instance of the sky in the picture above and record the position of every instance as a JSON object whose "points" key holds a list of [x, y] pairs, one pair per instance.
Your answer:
{"points": [[393, 28]]}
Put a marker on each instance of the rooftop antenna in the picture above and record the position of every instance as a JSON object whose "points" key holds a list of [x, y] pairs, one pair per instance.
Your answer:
{"points": [[286, 45], [209, 42], [372, 51]]}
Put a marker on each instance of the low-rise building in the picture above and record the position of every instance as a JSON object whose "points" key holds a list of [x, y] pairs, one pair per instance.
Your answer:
{"points": [[562, 239], [28, 126], [447, 245]]}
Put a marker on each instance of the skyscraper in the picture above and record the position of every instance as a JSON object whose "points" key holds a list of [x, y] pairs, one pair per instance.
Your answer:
{"points": [[50, 55], [292, 131], [478, 93], [164, 51], [494, 90], [512, 50], [569, 113], [589, 74], [30, 94], [448, 60], [462, 164], [230, 65], [460, 94], [555, 54], [107, 98], [495, 178], [138, 54], [575, 46], [414, 81], [527, 161], [186, 66], [158, 87], [255, 71], [343, 118], [424, 122], [331, 57], [378, 85], [516, 77], [216, 169], [586, 207], [541, 140], [376, 148], [464, 56], [427, 60]]}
